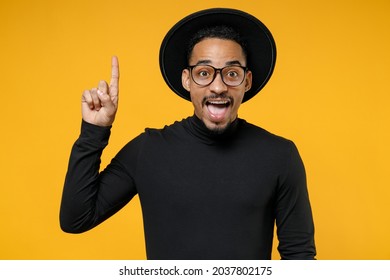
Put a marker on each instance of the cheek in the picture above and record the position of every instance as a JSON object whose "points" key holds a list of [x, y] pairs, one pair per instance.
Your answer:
{"points": [[235, 108], [238, 100], [196, 102], [196, 96]]}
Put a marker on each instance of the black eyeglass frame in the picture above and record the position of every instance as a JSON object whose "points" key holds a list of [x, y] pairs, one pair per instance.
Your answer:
{"points": [[216, 71]]}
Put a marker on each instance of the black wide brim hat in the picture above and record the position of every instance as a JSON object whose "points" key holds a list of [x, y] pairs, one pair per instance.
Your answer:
{"points": [[260, 45]]}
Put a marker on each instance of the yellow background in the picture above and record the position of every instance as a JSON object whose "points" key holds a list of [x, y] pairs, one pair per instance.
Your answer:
{"points": [[329, 93]]}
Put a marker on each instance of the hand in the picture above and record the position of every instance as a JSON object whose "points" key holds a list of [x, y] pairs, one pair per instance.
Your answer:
{"points": [[99, 105]]}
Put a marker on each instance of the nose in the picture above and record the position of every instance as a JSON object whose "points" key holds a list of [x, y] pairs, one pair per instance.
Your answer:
{"points": [[218, 86]]}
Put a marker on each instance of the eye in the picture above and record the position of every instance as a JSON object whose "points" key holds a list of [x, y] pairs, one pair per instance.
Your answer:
{"points": [[203, 73], [232, 74]]}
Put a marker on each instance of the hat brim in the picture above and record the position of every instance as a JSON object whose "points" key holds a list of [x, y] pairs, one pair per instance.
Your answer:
{"points": [[261, 56]]}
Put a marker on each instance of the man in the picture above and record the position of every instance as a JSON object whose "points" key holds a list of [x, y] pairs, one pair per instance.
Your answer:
{"points": [[212, 185]]}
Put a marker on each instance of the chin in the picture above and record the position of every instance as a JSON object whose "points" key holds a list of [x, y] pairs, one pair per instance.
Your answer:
{"points": [[217, 128]]}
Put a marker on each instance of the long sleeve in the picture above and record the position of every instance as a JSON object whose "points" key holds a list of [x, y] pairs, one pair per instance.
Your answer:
{"points": [[295, 227], [90, 197], [202, 196]]}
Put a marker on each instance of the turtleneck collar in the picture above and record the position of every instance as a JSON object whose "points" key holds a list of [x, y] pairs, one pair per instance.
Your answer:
{"points": [[196, 127]]}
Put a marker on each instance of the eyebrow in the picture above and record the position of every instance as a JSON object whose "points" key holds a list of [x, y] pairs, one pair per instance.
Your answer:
{"points": [[208, 62]]}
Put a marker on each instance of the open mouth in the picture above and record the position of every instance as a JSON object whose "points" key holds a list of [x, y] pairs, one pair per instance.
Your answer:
{"points": [[218, 107]]}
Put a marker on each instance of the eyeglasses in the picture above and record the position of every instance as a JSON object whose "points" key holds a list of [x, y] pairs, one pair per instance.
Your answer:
{"points": [[204, 75]]}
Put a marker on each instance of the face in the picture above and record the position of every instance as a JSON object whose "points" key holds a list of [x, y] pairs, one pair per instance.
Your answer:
{"points": [[216, 104]]}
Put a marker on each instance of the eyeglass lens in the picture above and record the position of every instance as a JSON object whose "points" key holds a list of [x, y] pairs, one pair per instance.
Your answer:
{"points": [[205, 74]]}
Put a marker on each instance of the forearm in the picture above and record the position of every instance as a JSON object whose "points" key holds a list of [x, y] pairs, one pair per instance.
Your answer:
{"points": [[296, 235], [294, 220], [78, 206]]}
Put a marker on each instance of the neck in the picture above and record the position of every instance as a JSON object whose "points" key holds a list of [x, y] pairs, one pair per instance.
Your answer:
{"points": [[219, 134]]}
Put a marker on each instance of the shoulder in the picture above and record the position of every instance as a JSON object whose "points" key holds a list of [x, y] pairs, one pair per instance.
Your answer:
{"points": [[274, 149], [166, 128], [261, 135], [169, 131], [270, 146]]}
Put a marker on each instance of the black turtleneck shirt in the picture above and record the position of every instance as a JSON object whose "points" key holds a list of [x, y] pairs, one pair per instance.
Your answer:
{"points": [[203, 196]]}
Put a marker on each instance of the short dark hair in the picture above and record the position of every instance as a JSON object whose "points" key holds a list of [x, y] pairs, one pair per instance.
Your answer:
{"points": [[220, 32]]}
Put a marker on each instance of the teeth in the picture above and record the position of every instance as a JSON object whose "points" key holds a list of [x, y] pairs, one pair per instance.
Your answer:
{"points": [[218, 102]]}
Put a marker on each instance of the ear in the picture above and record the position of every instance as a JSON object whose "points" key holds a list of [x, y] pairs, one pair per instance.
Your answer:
{"points": [[248, 80], [185, 79]]}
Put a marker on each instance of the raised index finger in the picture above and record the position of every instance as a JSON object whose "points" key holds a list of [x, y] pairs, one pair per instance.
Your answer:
{"points": [[114, 83]]}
